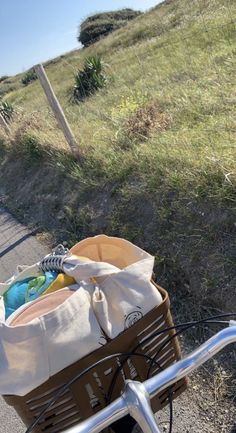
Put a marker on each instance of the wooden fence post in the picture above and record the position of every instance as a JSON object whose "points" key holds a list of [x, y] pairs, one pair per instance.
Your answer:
{"points": [[56, 107], [4, 124]]}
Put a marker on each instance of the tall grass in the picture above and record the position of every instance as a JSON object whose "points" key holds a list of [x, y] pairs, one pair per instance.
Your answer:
{"points": [[179, 56]]}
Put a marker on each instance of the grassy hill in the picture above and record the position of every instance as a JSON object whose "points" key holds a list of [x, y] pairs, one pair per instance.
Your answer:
{"points": [[157, 144]]}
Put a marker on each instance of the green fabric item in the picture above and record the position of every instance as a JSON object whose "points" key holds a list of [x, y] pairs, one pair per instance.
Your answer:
{"points": [[34, 286]]}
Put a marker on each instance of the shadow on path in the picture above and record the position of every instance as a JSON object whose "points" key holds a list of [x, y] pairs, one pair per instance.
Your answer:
{"points": [[7, 241], [18, 242]]}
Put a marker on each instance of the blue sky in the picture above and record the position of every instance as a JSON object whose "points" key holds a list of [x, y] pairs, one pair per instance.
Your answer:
{"points": [[35, 31]]}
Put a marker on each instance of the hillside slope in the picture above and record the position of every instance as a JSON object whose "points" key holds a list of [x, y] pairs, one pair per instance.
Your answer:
{"points": [[158, 149]]}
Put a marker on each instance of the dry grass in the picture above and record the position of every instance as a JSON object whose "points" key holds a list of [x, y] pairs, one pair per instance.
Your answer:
{"points": [[147, 119]]}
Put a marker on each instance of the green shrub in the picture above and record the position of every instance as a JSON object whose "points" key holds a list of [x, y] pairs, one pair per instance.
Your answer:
{"points": [[90, 79], [4, 90], [100, 25], [6, 110], [29, 147], [29, 77], [3, 78]]}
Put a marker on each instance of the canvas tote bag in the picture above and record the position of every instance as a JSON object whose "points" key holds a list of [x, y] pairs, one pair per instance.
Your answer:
{"points": [[32, 352], [124, 292], [120, 295]]}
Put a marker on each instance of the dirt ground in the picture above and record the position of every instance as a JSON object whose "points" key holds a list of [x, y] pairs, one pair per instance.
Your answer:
{"points": [[199, 411]]}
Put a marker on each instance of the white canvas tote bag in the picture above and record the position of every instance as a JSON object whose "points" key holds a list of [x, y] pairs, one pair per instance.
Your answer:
{"points": [[123, 272], [31, 353], [120, 295]]}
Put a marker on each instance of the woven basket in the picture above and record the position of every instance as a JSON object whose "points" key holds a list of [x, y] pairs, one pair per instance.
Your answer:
{"points": [[88, 394]]}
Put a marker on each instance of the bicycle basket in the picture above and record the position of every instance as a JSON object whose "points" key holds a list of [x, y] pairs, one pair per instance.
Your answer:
{"points": [[88, 395]]}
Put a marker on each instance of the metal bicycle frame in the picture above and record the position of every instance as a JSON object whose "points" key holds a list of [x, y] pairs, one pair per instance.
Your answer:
{"points": [[135, 399]]}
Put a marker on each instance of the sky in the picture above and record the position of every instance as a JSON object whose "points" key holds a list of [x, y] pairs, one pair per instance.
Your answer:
{"points": [[33, 31]]}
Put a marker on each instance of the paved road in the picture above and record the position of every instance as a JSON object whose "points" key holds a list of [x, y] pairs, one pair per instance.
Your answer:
{"points": [[17, 246]]}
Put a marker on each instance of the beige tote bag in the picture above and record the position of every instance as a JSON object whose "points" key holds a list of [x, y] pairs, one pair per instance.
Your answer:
{"points": [[121, 293], [32, 352], [124, 292]]}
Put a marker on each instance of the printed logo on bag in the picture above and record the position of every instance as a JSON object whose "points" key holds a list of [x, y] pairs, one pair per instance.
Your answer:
{"points": [[133, 317]]}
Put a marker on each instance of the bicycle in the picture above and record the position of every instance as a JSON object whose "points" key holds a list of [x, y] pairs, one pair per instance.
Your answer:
{"points": [[135, 399]]}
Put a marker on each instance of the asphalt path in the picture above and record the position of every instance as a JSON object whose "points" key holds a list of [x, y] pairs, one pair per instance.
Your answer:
{"points": [[18, 246]]}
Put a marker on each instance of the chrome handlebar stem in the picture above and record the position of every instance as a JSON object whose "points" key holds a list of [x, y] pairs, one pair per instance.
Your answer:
{"points": [[135, 399]]}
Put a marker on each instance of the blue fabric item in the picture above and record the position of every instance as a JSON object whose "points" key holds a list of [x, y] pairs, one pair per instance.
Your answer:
{"points": [[26, 290], [15, 296]]}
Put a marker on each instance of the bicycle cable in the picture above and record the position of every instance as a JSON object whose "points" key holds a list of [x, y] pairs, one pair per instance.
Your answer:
{"points": [[64, 387], [186, 326]]}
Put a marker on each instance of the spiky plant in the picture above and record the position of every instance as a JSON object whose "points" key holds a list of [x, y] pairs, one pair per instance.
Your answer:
{"points": [[90, 79], [6, 110]]}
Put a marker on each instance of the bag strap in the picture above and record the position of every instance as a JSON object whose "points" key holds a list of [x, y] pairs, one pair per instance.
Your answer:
{"points": [[87, 270]]}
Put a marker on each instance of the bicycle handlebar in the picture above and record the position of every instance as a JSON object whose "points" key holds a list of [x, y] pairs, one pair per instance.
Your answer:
{"points": [[135, 399]]}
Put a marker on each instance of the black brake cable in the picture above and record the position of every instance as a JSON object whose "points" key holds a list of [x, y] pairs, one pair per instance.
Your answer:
{"points": [[64, 387], [200, 322], [185, 326]]}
